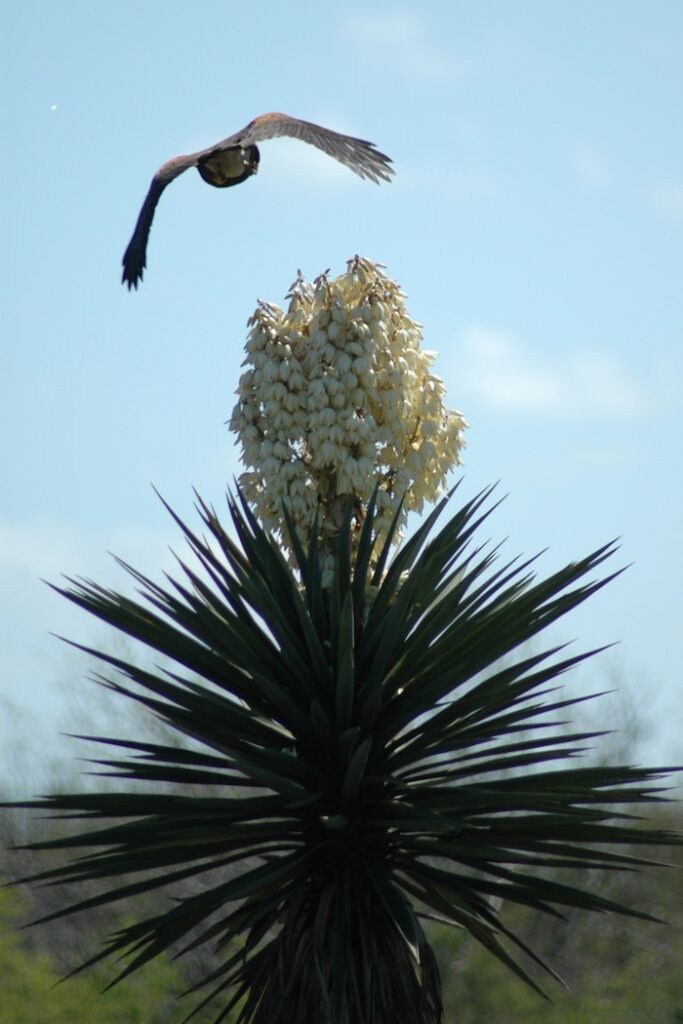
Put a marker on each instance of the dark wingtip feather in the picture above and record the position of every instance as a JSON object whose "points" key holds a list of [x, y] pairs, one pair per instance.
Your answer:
{"points": [[135, 257], [133, 263], [130, 281]]}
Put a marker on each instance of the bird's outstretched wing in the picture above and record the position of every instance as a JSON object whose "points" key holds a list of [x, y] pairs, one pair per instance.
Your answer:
{"points": [[135, 256], [358, 154]]}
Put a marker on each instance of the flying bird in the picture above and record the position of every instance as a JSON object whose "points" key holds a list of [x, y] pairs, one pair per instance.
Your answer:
{"points": [[235, 159]]}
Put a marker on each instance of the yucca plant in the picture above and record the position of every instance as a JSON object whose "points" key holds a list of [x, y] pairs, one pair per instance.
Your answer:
{"points": [[367, 766], [373, 744]]}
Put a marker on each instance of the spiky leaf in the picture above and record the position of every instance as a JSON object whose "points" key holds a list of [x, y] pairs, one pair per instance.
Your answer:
{"points": [[370, 760]]}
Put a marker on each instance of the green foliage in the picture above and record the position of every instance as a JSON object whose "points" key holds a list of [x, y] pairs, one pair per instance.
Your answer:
{"points": [[640, 991], [31, 993], [617, 975], [390, 770]]}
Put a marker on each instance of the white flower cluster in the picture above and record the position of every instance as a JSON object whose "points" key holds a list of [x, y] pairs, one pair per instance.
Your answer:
{"points": [[338, 395]]}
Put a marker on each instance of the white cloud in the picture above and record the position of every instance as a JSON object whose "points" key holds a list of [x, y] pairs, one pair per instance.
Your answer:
{"points": [[47, 549], [667, 199], [580, 384], [602, 456], [293, 163], [401, 42], [24, 549], [590, 164]]}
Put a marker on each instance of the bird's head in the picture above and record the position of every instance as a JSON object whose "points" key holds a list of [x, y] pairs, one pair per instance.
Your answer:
{"points": [[251, 158]]}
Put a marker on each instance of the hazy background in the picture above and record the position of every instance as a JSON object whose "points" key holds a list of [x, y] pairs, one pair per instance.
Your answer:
{"points": [[535, 223]]}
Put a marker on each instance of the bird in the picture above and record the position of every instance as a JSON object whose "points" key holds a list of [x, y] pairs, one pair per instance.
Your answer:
{"points": [[235, 159]]}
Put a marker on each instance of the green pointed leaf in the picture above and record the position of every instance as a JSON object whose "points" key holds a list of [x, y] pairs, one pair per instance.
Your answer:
{"points": [[374, 750], [356, 769], [345, 678]]}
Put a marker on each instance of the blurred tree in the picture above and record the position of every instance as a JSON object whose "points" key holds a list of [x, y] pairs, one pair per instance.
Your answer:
{"points": [[31, 993]]}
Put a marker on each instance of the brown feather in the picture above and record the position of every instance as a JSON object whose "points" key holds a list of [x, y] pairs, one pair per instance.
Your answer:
{"points": [[219, 165]]}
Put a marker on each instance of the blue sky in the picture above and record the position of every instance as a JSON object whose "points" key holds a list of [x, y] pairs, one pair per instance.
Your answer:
{"points": [[535, 223]]}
